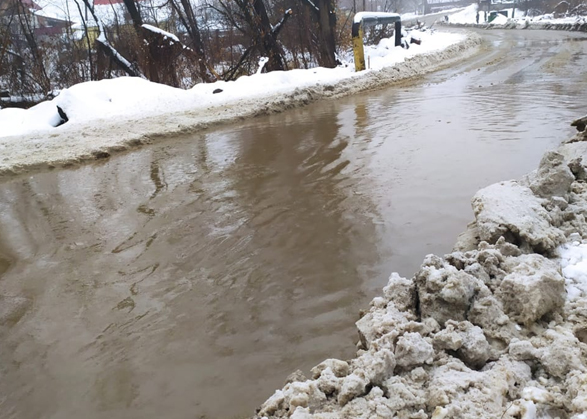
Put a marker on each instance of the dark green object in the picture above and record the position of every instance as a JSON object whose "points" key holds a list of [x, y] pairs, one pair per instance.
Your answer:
{"points": [[493, 15]]}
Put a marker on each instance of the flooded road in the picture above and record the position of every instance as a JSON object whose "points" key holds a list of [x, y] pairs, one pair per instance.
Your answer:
{"points": [[188, 279]]}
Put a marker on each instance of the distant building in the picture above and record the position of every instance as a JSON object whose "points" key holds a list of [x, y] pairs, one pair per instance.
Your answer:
{"points": [[22, 16]]}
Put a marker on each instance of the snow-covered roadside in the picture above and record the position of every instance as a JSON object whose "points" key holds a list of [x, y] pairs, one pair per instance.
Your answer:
{"points": [[495, 329], [114, 115], [468, 18], [131, 97], [409, 18]]}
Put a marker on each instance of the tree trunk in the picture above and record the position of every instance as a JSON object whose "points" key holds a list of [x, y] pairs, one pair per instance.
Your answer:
{"points": [[186, 15], [256, 26], [327, 25], [151, 52], [137, 21], [39, 73], [109, 50], [87, 38], [268, 45], [324, 11]]}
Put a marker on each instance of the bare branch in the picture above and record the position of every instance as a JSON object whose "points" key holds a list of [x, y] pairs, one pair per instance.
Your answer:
{"points": [[277, 28], [312, 6], [85, 26], [110, 51]]}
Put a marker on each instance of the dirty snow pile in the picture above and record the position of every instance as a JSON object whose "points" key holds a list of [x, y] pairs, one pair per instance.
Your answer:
{"points": [[495, 329], [128, 97]]}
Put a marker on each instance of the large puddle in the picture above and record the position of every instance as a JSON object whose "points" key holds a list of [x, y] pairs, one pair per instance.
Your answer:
{"points": [[188, 279]]}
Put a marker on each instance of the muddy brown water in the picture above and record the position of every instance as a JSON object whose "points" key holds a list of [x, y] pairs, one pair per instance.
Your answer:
{"points": [[188, 279]]}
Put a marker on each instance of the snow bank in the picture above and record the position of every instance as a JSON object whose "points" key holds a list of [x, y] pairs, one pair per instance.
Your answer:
{"points": [[468, 17], [128, 97], [499, 20], [495, 329], [410, 18], [113, 115], [84, 102]]}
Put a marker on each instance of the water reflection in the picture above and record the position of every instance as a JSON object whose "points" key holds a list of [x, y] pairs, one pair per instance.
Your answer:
{"points": [[178, 275]]}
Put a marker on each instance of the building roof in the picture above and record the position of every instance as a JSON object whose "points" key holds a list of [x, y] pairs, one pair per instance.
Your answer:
{"points": [[106, 2], [30, 4]]}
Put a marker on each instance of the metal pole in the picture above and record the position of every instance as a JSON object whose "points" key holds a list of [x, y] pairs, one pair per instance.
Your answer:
{"points": [[398, 33]]}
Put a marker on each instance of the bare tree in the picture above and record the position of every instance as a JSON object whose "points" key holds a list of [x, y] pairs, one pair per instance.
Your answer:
{"points": [[189, 42], [31, 54], [251, 19], [324, 12], [187, 17], [87, 39], [109, 50]]}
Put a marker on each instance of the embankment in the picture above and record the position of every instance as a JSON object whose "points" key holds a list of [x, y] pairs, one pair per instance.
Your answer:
{"points": [[72, 145], [526, 24], [495, 329]]}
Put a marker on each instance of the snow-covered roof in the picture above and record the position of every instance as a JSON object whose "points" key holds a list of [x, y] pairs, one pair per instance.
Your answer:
{"points": [[30, 4]]}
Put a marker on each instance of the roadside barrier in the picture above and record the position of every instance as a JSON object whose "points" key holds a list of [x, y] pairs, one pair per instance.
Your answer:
{"points": [[368, 19]]}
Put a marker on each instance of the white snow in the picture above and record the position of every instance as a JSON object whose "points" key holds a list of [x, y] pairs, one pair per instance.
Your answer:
{"points": [[528, 410], [468, 16], [574, 267], [499, 20], [370, 15], [549, 18], [161, 31], [408, 18], [535, 394], [129, 97], [518, 13], [102, 37], [262, 62]]}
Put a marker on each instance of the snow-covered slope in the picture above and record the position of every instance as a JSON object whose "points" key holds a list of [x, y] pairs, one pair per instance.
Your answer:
{"points": [[128, 97], [468, 16], [115, 114]]}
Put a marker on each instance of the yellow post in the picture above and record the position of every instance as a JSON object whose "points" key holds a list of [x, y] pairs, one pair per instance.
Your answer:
{"points": [[364, 19], [358, 51]]}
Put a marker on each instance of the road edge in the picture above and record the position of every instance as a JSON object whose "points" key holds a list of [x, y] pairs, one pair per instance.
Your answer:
{"points": [[64, 150]]}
